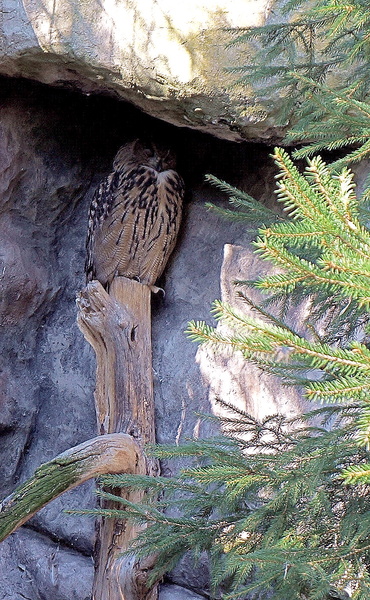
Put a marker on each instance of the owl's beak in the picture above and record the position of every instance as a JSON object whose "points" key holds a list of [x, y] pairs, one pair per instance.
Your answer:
{"points": [[159, 165]]}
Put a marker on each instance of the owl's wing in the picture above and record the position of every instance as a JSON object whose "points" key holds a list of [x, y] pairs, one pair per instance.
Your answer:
{"points": [[99, 209], [134, 218], [163, 229], [120, 213], [133, 213]]}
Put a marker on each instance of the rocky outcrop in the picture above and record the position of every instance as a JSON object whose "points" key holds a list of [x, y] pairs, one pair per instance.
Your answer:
{"points": [[168, 58], [54, 147]]}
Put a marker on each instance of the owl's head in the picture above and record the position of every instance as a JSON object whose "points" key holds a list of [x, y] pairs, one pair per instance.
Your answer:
{"points": [[152, 155], [161, 159]]}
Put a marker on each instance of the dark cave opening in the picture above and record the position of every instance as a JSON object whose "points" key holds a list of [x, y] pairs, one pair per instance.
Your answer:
{"points": [[94, 126]]}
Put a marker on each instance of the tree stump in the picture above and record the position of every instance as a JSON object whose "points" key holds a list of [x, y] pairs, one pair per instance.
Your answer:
{"points": [[118, 326]]}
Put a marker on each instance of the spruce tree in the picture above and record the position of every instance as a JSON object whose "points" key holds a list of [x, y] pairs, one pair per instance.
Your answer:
{"points": [[314, 67], [282, 507]]}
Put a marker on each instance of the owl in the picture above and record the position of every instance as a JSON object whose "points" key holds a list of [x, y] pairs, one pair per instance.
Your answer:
{"points": [[134, 216]]}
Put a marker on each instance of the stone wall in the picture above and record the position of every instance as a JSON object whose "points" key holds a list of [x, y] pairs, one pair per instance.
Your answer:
{"points": [[169, 58], [54, 147]]}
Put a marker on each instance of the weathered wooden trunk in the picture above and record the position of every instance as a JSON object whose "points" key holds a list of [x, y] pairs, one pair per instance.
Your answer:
{"points": [[118, 326]]}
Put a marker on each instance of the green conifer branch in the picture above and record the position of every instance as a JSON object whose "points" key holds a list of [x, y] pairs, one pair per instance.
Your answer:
{"points": [[282, 508]]}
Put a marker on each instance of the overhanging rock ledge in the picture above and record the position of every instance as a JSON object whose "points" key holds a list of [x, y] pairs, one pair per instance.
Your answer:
{"points": [[168, 58]]}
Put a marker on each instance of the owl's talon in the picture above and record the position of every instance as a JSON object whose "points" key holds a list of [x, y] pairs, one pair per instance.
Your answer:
{"points": [[156, 290]]}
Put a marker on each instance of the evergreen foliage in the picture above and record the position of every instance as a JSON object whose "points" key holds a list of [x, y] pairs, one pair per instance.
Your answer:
{"points": [[316, 64], [272, 522], [323, 252], [282, 507], [244, 208]]}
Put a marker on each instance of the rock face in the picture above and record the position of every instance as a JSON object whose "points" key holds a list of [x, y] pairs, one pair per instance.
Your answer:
{"points": [[169, 58], [54, 148]]}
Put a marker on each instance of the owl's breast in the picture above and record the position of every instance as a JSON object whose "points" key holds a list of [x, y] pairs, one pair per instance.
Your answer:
{"points": [[136, 222]]}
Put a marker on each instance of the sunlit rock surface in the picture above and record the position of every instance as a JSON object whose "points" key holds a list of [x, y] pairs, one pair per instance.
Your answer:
{"points": [[169, 58]]}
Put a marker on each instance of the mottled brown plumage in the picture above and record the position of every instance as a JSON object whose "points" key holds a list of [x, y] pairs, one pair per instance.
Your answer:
{"points": [[134, 216]]}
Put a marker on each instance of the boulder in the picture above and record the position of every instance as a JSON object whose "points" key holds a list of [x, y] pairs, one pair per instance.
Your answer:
{"points": [[168, 58]]}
